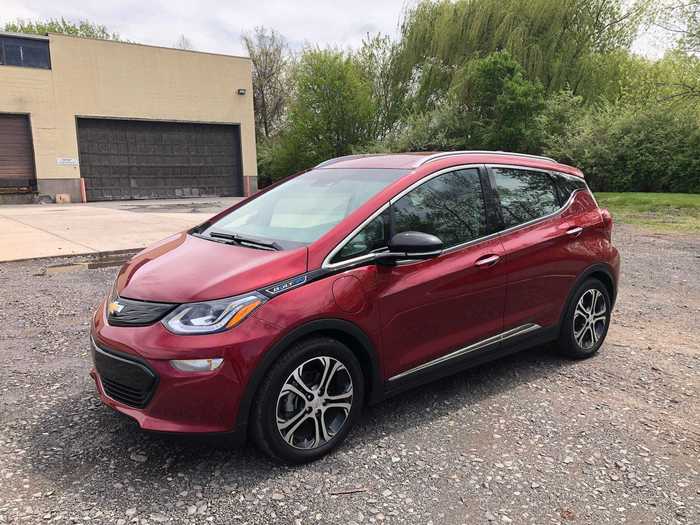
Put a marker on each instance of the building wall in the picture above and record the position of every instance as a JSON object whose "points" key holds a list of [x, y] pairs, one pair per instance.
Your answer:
{"points": [[97, 78]]}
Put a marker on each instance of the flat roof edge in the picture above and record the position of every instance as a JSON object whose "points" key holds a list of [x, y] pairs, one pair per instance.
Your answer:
{"points": [[33, 36], [147, 45]]}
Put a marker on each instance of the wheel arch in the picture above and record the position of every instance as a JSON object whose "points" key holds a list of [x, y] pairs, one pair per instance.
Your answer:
{"points": [[601, 271], [346, 332], [607, 280]]}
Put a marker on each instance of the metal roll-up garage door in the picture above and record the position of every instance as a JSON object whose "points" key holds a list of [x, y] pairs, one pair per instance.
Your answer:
{"points": [[133, 159], [16, 155]]}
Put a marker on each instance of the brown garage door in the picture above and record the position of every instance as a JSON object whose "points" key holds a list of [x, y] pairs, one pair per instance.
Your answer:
{"points": [[130, 159], [16, 155]]}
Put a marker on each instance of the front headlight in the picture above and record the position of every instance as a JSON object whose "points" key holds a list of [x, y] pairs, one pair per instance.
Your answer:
{"points": [[212, 316]]}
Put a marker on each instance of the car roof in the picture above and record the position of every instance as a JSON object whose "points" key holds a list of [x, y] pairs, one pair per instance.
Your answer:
{"points": [[414, 160]]}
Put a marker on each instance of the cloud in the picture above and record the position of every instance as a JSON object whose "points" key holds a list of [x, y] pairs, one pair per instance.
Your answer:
{"points": [[217, 26]]}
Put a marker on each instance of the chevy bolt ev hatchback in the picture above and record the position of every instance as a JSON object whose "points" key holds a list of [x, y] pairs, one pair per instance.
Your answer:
{"points": [[283, 315]]}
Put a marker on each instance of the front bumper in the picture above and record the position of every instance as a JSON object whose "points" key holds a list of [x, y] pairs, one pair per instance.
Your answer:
{"points": [[133, 374]]}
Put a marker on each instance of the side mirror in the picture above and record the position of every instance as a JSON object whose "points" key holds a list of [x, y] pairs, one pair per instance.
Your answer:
{"points": [[412, 246]]}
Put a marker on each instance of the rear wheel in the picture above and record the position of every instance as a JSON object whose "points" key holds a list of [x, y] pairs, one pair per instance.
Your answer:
{"points": [[586, 321], [308, 401]]}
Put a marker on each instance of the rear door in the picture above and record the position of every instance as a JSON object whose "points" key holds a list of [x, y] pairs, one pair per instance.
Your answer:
{"points": [[538, 239]]}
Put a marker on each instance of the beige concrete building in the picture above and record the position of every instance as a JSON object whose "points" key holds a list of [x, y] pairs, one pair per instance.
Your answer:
{"points": [[103, 120]]}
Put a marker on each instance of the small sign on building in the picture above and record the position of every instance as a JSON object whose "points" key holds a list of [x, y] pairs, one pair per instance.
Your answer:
{"points": [[66, 161]]}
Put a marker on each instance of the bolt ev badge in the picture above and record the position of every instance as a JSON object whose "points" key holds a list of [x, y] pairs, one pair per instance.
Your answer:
{"points": [[115, 307], [286, 285]]}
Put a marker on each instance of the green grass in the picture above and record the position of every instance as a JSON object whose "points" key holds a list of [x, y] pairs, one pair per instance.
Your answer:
{"points": [[663, 212]]}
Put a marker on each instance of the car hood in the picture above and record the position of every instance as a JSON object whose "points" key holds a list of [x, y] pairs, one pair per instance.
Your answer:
{"points": [[183, 268]]}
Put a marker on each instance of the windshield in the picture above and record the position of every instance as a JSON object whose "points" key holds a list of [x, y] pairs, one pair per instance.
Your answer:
{"points": [[304, 208]]}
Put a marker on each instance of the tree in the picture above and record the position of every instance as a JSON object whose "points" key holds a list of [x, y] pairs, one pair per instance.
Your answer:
{"points": [[500, 102], [184, 43], [270, 56], [681, 18], [490, 105], [375, 60], [330, 114], [554, 41], [691, 37], [82, 28]]}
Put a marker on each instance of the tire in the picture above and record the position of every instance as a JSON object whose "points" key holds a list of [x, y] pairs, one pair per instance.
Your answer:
{"points": [[582, 332], [291, 401]]}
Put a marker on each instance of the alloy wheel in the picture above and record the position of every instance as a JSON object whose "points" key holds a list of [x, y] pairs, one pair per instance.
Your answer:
{"points": [[314, 402], [590, 318]]}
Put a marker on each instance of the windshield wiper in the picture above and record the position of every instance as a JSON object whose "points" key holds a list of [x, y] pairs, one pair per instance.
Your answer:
{"points": [[246, 241]]}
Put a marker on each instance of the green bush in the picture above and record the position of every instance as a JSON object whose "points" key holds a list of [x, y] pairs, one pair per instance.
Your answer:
{"points": [[648, 148]]}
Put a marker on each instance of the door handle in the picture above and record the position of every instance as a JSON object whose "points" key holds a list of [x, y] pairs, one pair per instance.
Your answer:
{"points": [[574, 232], [487, 260]]}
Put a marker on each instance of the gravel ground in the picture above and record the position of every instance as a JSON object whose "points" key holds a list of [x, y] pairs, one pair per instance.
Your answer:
{"points": [[528, 439]]}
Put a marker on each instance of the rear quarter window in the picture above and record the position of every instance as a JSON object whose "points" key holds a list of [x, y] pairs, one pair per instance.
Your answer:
{"points": [[567, 185]]}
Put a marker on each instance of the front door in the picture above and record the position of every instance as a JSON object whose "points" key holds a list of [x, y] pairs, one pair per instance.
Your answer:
{"points": [[431, 309]]}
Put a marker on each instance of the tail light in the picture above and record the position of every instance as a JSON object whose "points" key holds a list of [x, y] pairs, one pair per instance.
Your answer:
{"points": [[607, 222]]}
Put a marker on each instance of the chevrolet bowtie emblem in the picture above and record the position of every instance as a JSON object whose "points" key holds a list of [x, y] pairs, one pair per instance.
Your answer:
{"points": [[115, 307]]}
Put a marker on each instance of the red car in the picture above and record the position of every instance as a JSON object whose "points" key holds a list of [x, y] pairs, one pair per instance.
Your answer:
{"points": [[367, 275]]}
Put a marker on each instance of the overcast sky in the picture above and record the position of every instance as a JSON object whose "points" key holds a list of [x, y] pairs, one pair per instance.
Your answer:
{"points": [[217, 26]]}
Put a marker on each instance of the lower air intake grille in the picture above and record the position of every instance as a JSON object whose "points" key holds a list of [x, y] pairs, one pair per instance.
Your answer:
{"points": [[123, 379]]}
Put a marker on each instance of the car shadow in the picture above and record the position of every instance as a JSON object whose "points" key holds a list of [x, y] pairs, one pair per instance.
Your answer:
{"points": [[421, 405], [77, 440]]}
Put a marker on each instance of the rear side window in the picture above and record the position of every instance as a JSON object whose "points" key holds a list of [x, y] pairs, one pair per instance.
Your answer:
{"points": [[567, 184], [524, 195], [450, 206]]}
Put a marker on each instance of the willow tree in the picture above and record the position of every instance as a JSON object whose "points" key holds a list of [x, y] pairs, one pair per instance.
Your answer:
{"points": [[555, 41]]}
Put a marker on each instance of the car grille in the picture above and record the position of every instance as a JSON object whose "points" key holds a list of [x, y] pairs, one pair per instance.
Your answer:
{"points": [[129, 312], [124, 379]]}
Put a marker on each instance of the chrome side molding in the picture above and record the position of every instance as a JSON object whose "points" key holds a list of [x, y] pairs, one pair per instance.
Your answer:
{"points": [[508, 334]]}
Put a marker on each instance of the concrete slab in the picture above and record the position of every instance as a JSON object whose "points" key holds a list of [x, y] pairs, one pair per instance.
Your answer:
{"points": [[31, 231], [20, 241]]}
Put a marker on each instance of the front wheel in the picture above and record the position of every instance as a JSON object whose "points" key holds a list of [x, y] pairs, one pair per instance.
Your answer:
{"points": [[308, 401], [586, 321]]}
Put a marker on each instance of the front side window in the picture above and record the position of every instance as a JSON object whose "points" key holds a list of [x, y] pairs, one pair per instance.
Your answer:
{"points": [[525, 195], [301, 210], [450, 206], [374, 237]]}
